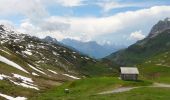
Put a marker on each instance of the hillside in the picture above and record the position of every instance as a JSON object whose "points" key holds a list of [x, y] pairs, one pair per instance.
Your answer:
{"points": [[156, 68], [157, 42], [32, 65]]}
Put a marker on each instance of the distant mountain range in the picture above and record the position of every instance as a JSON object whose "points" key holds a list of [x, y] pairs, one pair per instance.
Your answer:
{"points": [[91, 48], [156, 43]]}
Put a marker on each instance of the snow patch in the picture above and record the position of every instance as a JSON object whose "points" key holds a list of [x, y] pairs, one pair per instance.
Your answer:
{"points": [[86, 58], [25, 79], [52, 71], [25, 85], [2, 76], [28, 52], [55, 53], [5, 52], [12, 98], [30, 45], [35, 74], [26, 82], [74, 57], [37, 69], [11, 63], [71, 76]]}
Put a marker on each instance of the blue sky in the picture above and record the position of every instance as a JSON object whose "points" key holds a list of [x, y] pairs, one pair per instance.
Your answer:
{"points": [[121, 22]]}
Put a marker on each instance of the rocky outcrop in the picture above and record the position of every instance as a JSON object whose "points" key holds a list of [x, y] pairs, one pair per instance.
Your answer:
{"points": [[161, 26]]}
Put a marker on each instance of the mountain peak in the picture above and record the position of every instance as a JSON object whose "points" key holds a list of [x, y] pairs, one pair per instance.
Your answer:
{"points": [[161, 26], [50, 39], [2, 28], [167, 19]]}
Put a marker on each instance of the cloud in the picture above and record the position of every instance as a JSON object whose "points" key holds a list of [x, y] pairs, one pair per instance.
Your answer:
{"points": [[93, 26], [88, 28], [22, 7], [39, 22], [27, 27], [35, 10], [6, 22], [109, 5], [52, 24], [137, 35], [70, 3]]}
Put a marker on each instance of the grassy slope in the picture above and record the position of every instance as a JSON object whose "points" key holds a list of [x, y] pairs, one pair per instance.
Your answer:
{"points": [[86, 89], [144, 49], [157, 68]]}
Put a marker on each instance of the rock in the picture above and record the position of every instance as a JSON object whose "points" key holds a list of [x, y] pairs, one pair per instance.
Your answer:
{"points": [[161, 26], [66, 90]]}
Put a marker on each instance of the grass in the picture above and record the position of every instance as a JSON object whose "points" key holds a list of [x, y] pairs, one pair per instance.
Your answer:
{"points": [[156, 68], [155, 73], [86, 88]]}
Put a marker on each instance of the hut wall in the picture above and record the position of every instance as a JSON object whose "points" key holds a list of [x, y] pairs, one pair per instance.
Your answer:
{"points": [[129, 76]]}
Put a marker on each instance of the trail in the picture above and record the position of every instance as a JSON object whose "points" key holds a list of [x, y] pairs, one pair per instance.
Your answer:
{"points": [[124, 89]]}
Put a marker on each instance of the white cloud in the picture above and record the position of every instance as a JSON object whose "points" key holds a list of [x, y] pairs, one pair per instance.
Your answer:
{"points": [[88, 28], [6, 22], [40, 23], [93, 26], [27, 27], [108, 5], [33, 8], [26, 7], [69, 3], [137, 35]]}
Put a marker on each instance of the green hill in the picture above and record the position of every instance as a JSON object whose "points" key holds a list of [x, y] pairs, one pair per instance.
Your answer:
{"points": [[153, 45], [151, 55]]}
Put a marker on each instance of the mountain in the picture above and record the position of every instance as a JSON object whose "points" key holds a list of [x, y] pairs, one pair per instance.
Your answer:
{"points": [[161, 26], [29, 65], [156, 43], [92, 48], [50, 39]]}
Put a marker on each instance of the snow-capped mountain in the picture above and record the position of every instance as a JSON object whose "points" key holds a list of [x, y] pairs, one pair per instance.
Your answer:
{"points": [[30, 64]]}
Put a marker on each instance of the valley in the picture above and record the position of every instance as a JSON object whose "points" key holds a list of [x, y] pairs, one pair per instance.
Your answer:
{"points": [[150, 55], [35, 69]]}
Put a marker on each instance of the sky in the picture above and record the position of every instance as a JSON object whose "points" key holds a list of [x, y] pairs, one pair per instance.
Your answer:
{"points": [[120, 22]]}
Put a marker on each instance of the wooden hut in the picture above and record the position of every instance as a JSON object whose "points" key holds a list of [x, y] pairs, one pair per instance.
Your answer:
{"points": [[129, 73]]}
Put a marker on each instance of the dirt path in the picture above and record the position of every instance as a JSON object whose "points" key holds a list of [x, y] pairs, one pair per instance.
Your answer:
{"points": [[160, 85], [124, 89]]}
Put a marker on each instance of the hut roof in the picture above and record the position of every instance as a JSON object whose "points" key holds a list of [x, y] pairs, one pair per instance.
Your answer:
{"points": [[129, 70]]}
